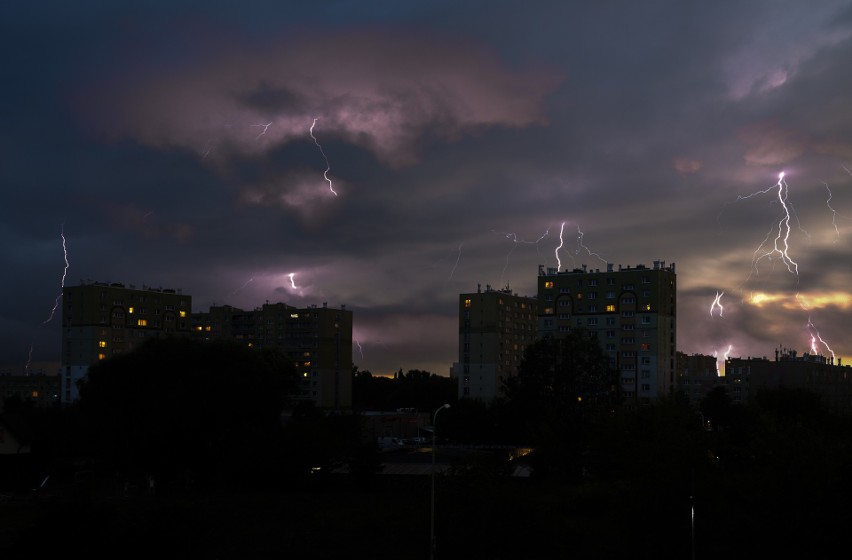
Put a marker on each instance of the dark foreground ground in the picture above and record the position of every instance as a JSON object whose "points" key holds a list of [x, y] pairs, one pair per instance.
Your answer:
{"points": [[388, 517]]}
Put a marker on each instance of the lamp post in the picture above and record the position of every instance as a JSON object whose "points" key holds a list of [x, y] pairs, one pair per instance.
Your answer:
{"points": [[432, 524]]}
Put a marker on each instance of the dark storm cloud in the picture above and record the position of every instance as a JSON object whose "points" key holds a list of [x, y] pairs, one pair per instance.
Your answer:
{"points": [[173, 144]]}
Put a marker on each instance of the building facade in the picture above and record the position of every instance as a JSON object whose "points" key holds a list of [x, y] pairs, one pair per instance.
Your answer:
{"points": [[495, 328], [317, 339], [697, 375], [631, 312], [820, 374], [101, 320], [36, 383]]}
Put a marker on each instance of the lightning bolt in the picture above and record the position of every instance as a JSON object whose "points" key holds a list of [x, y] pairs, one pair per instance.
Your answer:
{"points": [[262, 132], [292, 281], [327, 165], [29, 360], [717, 303], [778, 238], [833, 213], [453, 271], [360, 350], [559, 262], [246, 283], [64, 274], [724, 357], [515, 243], [580, 245], [816, 336], [781, 243]]}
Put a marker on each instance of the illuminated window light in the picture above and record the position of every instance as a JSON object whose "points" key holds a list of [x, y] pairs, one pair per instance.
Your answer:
{"points": [[142, 322], [102, 343]]}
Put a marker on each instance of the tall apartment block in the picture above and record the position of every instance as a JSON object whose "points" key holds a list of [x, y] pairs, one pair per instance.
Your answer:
{"points": [[495, 327], [317, 339], [631, 312], [100, 320]]}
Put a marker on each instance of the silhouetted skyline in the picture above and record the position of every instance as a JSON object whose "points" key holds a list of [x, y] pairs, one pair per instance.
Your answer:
{"points": [[389, 156]]}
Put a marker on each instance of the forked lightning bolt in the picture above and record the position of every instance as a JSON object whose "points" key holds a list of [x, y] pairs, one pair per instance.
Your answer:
{"points": [[327, 165], [262, 132], [64, 273], [515, 243], [781, 243], [717, 303], [580, 245]]}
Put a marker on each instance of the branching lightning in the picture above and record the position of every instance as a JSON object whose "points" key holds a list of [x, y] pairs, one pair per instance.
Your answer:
{"points": [[328, 165], [776, 246], [265, 128], [717, 303], [724, 357], [580, 245], [816, 336], [64, 274], [515, 243], [781, 243]]}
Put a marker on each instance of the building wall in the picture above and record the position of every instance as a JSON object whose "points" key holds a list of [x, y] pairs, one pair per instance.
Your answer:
{"points": [[631, 311], [101, 320], [495, 328], [37, 383], [744, 377], [697, 375], [317, 339]]}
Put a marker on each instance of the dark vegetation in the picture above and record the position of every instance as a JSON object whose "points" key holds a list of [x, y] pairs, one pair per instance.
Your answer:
{"points": [[770, 478]]}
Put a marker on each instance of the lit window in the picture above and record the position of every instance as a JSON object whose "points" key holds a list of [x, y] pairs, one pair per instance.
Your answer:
{"points": [[101, 356], [102, 343], [130, 310], [198, 328], [207, 328], [183, 313], [142, 322], [548, 284], [35, 394], [294, 315], [610, 308]]}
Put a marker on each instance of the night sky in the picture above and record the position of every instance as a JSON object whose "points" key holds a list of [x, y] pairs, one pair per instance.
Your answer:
{"points": [[389, 155]]}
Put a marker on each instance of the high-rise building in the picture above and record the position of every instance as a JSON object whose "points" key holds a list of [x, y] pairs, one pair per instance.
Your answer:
{"points": [[100, 320], [317, 339], [495, 327], [630, 311]]}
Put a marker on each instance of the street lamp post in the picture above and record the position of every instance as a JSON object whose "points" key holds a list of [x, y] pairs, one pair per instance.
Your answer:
{"points": [[434, 443]]}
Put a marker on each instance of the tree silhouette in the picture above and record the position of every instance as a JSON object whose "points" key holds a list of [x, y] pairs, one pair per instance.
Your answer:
{"points": [[176, 405]]}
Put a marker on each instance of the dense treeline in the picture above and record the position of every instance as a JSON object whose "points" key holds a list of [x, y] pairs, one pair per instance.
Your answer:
{"points": [[771, 477]]}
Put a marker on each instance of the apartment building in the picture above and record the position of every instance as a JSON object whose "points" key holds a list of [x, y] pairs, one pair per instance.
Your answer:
{"points": [[317, 339], [495, 328], [631, 311], [823, 375], [101, 320]]}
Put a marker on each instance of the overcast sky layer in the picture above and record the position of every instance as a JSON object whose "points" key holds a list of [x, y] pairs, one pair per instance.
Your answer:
{"points": [[388, 156]]}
